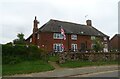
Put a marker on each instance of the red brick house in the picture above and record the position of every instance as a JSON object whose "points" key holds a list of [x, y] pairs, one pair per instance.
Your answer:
{"points": [[115, 42], [78, 36]]}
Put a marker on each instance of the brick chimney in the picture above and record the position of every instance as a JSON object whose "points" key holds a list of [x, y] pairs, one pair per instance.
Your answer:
{"points": [[89, 22], [35, 29], [35, 25]]}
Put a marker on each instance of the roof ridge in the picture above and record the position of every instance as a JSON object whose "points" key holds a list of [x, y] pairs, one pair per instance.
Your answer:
{"points": [[67, 22], [73, 27]]}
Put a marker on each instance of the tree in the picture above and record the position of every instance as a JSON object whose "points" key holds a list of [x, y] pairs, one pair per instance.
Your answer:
{"points": [[20, 39], [9, 43], [98, 46], [20, 36]]}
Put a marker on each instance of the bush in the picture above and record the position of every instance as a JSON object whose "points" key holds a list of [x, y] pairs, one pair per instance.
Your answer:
{"points": [[98, 46], [15, 54], [11, 60]]}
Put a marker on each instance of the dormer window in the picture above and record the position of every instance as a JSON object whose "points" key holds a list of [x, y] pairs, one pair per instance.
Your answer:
{"points": [[82, 32], [99, 34], [105, 38], [74, 37]]}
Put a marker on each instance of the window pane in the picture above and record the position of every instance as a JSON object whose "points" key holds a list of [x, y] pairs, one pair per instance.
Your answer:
{"points": [[58, 36], [74, 37], [37, 36], [92, 37], [74, 47], [57, 47]]}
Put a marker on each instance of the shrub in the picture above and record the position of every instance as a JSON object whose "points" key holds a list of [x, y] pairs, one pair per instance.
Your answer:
{"points": [[15, 54], [98, 46], [11, 60]]}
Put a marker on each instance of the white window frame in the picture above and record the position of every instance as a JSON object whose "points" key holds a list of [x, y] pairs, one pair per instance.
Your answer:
{"points": [[74, 37], [38, 36], [57, 36], [74, 47], [59, 49], [30, 40]]}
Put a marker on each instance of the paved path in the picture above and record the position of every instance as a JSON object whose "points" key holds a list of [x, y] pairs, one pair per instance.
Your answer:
{"points": [[55, 65], [67, 72]]}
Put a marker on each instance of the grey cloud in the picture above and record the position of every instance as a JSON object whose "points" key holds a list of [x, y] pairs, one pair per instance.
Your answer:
{"points": [[18, 16]]}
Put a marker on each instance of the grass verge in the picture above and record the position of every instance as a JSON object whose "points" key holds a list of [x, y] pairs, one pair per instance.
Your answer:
{"points": [[26, 67], [74, 64]]}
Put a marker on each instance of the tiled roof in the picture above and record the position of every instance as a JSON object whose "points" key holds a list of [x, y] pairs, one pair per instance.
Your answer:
{"points": [[115, 36], [70, 28]]}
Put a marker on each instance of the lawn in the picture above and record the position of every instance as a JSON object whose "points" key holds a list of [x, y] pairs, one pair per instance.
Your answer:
{"points": [[53, 58], [26, 67], [74, 64]]}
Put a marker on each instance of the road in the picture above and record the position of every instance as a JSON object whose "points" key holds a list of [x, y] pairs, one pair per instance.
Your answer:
{"points": [[101, 74], [71, 72]]}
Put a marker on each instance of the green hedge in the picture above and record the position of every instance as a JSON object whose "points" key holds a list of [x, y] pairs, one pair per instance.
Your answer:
{"points": [[15, 54]]}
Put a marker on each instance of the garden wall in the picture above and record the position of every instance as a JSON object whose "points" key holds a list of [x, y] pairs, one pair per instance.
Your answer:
{"points": [[88, 56]]}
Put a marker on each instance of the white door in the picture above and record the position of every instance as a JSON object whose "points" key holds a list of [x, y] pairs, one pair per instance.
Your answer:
{"points": [[74, 47]]}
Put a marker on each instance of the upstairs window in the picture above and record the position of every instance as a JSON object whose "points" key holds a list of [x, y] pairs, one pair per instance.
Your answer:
{"points": [[30, 40], [74, 37], [38, 36], [57, 36], [92, 37]]}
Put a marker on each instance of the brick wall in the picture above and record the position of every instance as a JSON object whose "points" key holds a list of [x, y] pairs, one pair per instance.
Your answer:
{"points": [[46, 41]]}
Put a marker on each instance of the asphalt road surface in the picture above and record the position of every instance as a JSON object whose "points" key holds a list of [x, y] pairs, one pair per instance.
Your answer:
{"points": [[114, 73], [79, 72]]}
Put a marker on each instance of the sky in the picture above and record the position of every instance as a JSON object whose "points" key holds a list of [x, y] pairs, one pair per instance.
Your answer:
{"points": [[16, 16], [119, 17]]}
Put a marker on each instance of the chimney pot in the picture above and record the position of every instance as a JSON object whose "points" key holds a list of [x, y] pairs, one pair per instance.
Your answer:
{"points": [[89, 23], [35, 18]]}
